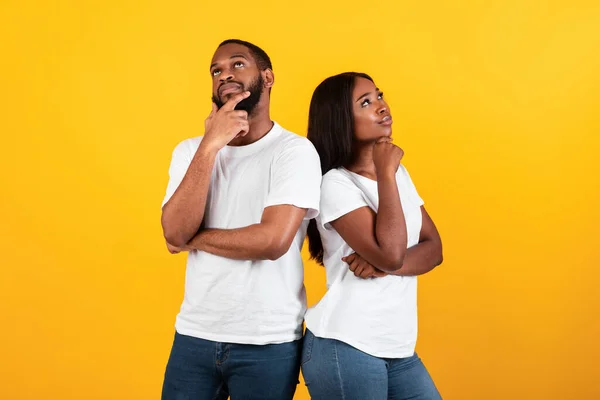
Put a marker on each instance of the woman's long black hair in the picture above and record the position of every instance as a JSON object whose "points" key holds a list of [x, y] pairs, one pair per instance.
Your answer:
{"points": [[331, 131]]}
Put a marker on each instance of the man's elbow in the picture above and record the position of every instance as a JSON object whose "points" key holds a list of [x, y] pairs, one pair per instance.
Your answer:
{"points": [[276, 248], [174, 239], [173, 236]]}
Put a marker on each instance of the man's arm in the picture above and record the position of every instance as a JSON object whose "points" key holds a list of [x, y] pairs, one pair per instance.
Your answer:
{"points": [[267, 240], [184, 212], [182, 215], [293, 195]]}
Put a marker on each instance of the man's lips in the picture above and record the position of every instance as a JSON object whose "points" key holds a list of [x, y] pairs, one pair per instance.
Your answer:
{"points": [[229, 88]]}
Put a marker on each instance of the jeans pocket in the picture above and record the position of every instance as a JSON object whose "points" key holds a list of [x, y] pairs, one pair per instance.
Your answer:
{"points": [[307, 345]]}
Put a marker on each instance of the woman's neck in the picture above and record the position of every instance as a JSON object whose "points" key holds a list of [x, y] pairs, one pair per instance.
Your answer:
{"points": [[362, 161]]}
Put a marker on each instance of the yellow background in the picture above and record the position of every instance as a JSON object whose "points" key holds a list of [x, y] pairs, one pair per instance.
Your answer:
{"points": [[496, 103]]}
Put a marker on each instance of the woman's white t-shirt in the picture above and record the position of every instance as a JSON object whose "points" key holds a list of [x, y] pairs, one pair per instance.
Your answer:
{"points": [[377, 315]]}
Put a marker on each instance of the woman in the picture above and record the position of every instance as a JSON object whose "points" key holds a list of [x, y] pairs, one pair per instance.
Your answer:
{"points": [[374, 237]]}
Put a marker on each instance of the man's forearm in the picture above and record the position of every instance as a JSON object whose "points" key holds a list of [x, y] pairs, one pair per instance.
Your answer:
{"points": [[184, 212], [253, 242]]}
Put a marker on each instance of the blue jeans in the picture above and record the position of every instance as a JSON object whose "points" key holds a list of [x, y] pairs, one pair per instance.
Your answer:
{"points": [[200, 369], [334, 370]]}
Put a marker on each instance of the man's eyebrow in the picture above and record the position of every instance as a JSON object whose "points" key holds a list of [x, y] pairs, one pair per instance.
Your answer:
{"points": [[238, 55]]}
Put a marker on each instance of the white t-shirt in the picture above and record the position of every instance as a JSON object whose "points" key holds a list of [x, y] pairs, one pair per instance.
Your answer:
{"points": [[250, 302], [377, 316]]}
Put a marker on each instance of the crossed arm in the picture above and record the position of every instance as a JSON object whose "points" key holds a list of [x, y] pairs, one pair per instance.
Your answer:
{"points": [[370, 261], [183, 216], [270, 239]]}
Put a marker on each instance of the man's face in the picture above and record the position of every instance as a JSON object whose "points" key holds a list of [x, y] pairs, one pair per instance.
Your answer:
{"points": [[233, 71]]}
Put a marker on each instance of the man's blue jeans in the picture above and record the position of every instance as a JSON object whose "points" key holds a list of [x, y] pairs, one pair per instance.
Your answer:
{"points": [[201, 369]]}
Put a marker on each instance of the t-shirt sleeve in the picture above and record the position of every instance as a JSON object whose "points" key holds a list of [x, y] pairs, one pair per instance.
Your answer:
{"points": [[414, 195], [180, 162], [296, 179], [339, 196]]}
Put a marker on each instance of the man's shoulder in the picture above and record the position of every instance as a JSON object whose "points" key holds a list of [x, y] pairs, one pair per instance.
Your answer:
{"points": [[288, 137], [187, 146], [289, 141]]}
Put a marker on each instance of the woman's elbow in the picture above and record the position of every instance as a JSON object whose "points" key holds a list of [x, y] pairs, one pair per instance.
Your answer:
{"points": [[439, 253], [440, 259], [393, 262]]}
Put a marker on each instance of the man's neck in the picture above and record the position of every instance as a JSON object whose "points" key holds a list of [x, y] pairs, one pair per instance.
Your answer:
{"points": [[260, 124]]}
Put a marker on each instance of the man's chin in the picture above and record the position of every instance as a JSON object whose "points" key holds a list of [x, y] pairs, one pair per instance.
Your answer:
{"points": [[229, 95], [218, 101], [221, 100]]}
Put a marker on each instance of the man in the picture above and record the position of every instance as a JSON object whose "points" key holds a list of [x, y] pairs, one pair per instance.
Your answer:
{"points": [[239, 199]]}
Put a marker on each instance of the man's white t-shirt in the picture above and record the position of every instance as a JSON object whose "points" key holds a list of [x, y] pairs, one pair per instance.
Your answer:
{"points": [[249, 302], [376, 315]]}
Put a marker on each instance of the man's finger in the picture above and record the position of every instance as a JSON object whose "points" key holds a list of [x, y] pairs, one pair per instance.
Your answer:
{"points": [[241, 114], [244, 129], [234, 100], [173, 250], [242, 133], [214, 110]]}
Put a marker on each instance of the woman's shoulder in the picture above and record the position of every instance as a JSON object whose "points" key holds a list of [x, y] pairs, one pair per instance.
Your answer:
{"points": [[339, 183], [337, 175]]}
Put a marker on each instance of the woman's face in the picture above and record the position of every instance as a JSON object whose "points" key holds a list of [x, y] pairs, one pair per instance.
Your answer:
{"points": [[372, 118]]}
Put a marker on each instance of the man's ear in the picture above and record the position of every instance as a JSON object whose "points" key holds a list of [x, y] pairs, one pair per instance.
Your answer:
{"points": [[268, 77]]}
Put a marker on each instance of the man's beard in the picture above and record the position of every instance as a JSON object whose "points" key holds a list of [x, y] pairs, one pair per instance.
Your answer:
{"points": [[249, 103]]}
